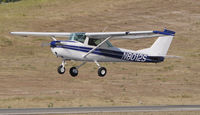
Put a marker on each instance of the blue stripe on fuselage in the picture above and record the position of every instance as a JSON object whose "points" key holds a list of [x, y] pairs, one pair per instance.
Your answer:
{"points": [[116, 54], [103, 52]]}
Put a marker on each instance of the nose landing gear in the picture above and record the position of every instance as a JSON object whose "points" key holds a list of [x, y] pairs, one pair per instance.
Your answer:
{"points": [[61, 68]]}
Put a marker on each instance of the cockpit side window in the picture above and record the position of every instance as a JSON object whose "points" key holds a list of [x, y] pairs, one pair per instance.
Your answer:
{"points": [[80, 37], [95, 42]]}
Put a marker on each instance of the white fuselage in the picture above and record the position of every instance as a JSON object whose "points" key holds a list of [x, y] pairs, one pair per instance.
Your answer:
{"points": [[73, 50]]}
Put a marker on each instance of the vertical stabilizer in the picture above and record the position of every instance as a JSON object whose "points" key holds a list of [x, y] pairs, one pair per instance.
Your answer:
{"points": [[161, 45]]}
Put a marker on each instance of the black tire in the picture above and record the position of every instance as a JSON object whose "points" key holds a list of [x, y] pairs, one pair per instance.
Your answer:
{"points": [[61, 69], [73, 71], [102, 71]]}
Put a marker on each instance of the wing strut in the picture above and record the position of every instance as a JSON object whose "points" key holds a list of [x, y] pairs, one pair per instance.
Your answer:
{"points": [[96, 47], [53, 38]]}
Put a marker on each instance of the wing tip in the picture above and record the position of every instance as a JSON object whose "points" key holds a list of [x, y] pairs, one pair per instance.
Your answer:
{"points": [[11, 32], [17, 33]]}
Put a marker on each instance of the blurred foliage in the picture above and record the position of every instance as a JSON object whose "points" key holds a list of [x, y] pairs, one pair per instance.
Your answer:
{"points": [[6, 1]]}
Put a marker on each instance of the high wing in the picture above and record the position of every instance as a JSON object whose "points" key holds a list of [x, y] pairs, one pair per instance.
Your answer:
{"points": [[118, 34], [130, 35], [47, 34], [102, 35]]}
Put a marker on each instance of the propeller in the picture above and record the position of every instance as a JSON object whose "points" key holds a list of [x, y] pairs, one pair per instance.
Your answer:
{"points": [[52, 44], [44, 44]]}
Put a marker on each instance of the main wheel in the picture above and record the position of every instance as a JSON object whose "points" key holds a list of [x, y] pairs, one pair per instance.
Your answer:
{"points": [[102, 71], [61, 69], [73, 71]]}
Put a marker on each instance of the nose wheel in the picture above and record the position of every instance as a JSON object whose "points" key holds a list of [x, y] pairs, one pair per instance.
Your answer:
{"points": [[61, 69]]}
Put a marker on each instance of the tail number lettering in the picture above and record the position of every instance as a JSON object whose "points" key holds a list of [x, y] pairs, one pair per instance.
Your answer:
{"points": [[134, 57]]}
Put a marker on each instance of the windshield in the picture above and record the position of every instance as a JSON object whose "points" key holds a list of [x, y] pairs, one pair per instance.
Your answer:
{"points": [[80, 37]]}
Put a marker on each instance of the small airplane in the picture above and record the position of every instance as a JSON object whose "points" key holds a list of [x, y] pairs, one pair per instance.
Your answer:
{"points": [[95, 47]]}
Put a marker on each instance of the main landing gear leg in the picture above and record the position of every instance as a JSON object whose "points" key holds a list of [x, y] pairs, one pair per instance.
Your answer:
{"points": [[101, 71], [61, 68], [74, 70]]}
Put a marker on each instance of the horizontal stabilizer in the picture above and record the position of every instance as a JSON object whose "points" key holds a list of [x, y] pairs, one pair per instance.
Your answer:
{"points": [[171, 56]]}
